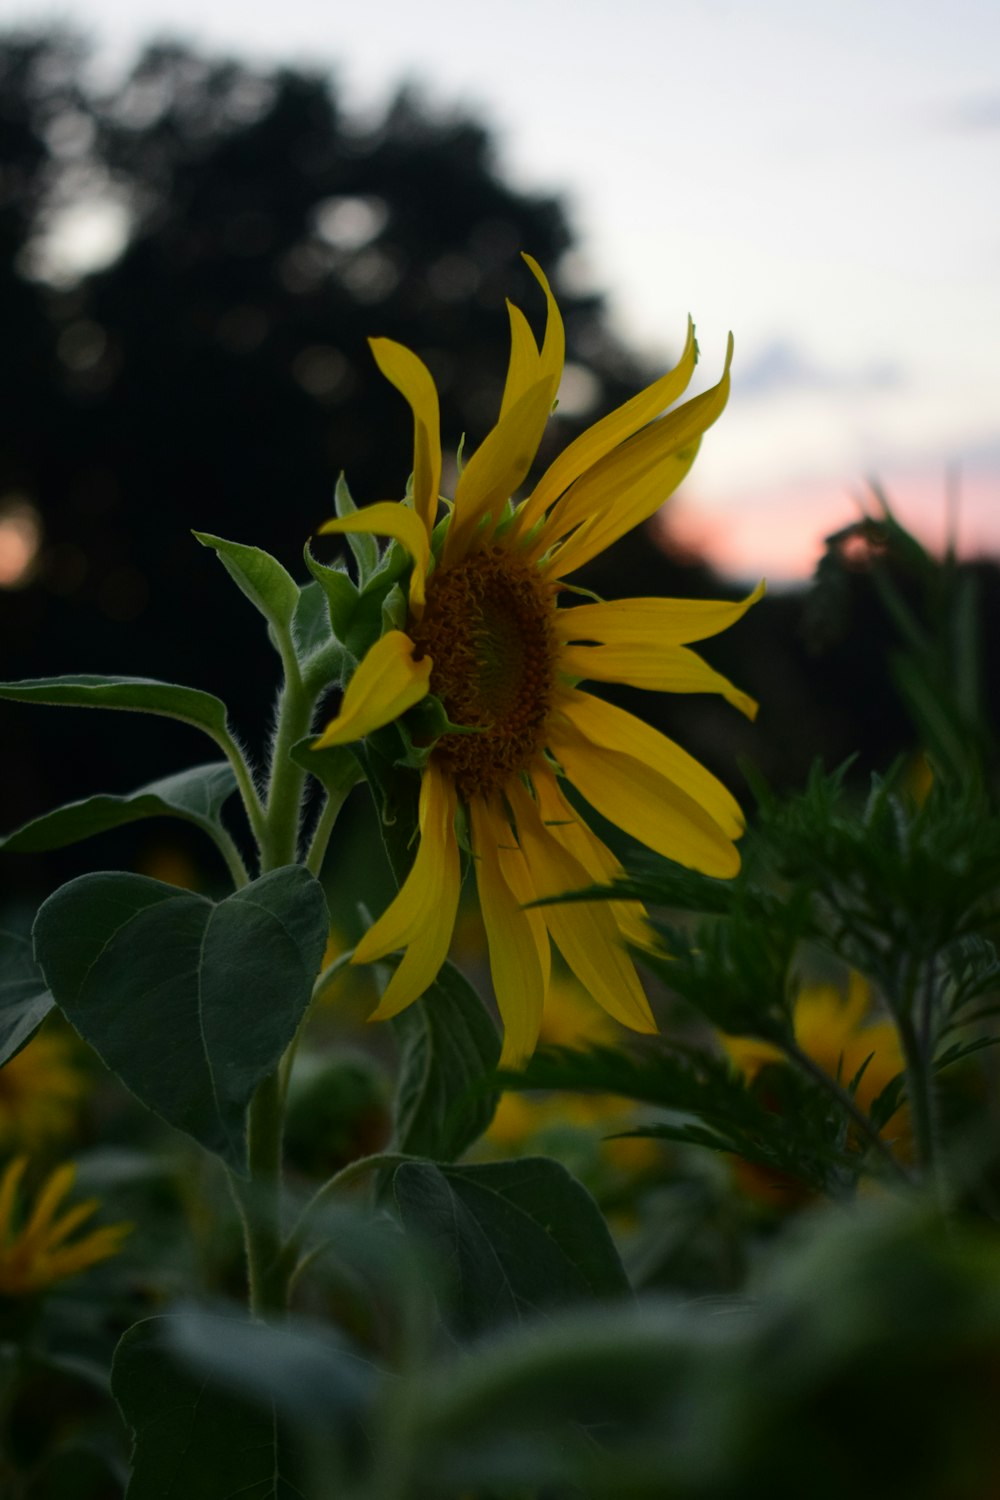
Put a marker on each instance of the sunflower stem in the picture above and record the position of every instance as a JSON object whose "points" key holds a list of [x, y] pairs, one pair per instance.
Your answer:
{"points": [[293, 1265], [283, 816], [259, 1202]]}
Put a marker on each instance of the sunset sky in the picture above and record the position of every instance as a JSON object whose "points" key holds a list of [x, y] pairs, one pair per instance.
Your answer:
{"points": [[821, 179]]}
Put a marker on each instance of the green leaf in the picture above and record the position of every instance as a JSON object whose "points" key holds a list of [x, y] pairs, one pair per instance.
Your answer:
{"points": [[306, 1370], [139, 694], [24, 999], [516, 1238], [341, 594], [190, 1002], [194, 1439], [268, 586], [448, 1045], [196, 795]]}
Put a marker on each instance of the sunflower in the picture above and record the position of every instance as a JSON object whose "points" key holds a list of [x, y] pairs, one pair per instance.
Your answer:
{"points": [[36, 1254], [486, 635], [838, 1031]]}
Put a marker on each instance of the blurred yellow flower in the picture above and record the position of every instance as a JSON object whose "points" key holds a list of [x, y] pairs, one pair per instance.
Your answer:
{"points": [[571, 1019], [484, 636], [40, 1093], [837, 1032], [36, 1253]]}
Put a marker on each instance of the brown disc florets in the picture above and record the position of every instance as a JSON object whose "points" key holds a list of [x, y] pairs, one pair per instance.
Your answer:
{"points": [[487, 627]]}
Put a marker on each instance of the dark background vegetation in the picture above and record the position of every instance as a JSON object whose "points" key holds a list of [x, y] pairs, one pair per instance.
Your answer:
{"points": [[216, 376]]}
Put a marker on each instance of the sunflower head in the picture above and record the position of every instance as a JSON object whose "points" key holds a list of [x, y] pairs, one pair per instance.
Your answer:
{"points": [[484, 635]]}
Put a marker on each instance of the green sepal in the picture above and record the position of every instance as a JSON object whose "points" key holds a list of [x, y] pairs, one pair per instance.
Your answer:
{"points": [[362, 544], [341, 594], [421, 728], [448, 1046], [395, 610], [337, 767], [311, 625], [268, 586], [394, 563], [515, 1237], [139, 694], [24, 999], [196, 795], [190, 1002]]}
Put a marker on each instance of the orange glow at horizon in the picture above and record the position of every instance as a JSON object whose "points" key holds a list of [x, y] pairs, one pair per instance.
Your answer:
{"points": [[779, 533]]}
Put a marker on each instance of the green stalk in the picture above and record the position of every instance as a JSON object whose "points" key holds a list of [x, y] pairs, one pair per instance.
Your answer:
{"points": [[260, 1199], [259, 1202], [279, 845], [916, 1034], [244, 780], [849, 1105], [292, 1264]]}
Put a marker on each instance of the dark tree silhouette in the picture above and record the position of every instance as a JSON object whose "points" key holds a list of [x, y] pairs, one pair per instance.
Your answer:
{"points": [[216, 375]]}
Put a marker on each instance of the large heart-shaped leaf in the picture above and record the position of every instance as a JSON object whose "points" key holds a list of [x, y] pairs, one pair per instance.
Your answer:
{"points": [[190, 1002], [24, 999], [196, 795], [515, 1238], [194, 1437]]}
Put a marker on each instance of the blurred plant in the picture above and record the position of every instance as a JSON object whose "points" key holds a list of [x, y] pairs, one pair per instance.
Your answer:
{"points": [[934, 607]]}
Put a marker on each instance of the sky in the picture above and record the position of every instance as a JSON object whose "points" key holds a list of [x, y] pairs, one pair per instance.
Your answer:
{"points": [[819, 178]]}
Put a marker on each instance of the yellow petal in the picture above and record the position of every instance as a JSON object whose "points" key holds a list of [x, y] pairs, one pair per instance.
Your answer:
{"points": [[748, 1054], [518, 941], [390, 518], [67, 1222], [656, 622], [643, 665], [601, 723], [604, 507], [386, 682], [71, 1259], [522, 371], [586, 932], [413, 380], [565, 824], [646, 785], [632, 482], [46, 1204], [421, 919], [553, 353], [498, 466], [8, 1194], [607, 434]]}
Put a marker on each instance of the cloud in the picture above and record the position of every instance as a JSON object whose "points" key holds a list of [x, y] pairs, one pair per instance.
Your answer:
{"points": [[782, 368]]}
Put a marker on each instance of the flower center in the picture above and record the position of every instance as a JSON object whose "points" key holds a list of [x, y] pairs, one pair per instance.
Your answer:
{"points": [[487, 626]]}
